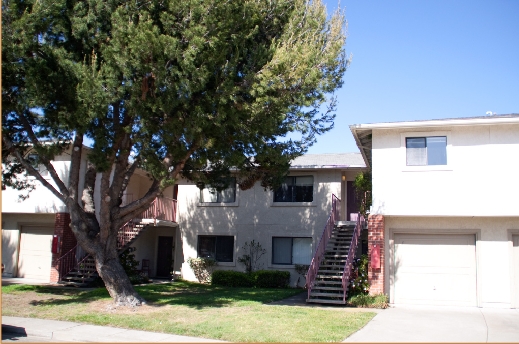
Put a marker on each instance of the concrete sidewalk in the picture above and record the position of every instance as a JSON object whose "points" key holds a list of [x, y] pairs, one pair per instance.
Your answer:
{"points": [[440, 324], [74, 332]]}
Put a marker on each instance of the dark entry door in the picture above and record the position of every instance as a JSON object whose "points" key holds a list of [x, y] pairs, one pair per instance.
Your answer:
{"points": [[165, 256], [353, 203]]}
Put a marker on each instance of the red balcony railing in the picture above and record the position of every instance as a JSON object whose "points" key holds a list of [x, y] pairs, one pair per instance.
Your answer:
{"points": [[319, 252]]}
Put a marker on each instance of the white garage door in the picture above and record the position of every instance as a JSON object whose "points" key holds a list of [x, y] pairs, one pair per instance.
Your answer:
{"points": [[435, 269], [515, 239], [35, 257]]}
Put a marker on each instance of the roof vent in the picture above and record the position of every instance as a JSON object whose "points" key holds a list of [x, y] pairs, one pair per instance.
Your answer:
{"points": [[490, 113]]}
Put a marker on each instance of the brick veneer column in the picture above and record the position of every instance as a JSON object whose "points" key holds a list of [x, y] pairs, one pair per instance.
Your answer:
{"points": [[66, 243], [376, 237]]}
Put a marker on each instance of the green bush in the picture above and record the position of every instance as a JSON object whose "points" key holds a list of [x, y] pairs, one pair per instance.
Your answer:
{"points": [[230, 278], [359, 284], [258, 279], [203, 268], [271, 279], [130, 264], [368, 301]]}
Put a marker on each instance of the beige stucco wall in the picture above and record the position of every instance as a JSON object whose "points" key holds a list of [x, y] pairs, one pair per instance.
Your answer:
{"points": [[147, 246], [11, 226], [494, 251], [480, 178], [254, 216]]}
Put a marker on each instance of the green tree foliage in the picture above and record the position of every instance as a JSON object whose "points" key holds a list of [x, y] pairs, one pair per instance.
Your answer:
{"points": [[363, 191], [186, 89]]}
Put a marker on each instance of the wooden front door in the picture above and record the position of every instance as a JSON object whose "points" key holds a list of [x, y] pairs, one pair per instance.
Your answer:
{"points": [[165, 256]]}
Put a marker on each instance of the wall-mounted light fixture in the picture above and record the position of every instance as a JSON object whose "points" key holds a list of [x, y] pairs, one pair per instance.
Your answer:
{"points": [[343, 178]]}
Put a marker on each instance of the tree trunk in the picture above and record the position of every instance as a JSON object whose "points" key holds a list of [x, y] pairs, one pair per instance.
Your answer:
{"points": [[117, 282]]}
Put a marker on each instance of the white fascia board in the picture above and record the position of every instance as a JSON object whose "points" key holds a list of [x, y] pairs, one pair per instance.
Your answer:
{"points": [[438, 123]]}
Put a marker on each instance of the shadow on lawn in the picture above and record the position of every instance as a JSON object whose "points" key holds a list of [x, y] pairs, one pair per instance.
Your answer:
{"points": [[206, 296], [179, 293]]}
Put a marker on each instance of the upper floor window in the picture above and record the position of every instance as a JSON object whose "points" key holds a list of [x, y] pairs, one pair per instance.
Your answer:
{"points": [[211, 195], [34, 160], [425, 151], [296, 189]]}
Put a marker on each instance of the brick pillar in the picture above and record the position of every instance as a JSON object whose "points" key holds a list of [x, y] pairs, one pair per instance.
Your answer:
{"points": [[67, 241], [376, 237]]}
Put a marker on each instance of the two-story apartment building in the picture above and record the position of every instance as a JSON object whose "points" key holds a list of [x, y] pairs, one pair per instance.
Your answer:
{"points": [[444, 225], [287, 223]]}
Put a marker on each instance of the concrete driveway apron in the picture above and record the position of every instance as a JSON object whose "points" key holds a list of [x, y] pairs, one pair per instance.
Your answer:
{"points": [[440, 324]]}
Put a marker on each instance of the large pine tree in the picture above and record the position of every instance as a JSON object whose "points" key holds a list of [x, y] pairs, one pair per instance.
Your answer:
{"points": [[187, 89]]}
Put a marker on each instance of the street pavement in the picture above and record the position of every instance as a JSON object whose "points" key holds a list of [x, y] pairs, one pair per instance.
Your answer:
{"points": [[53, 330], [440, 324]]}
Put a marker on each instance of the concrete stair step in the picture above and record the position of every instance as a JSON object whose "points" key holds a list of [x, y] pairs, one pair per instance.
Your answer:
{"points": [[329, 276], [338, 266], [337, 302], [316, 288], [331, 272], [321, 283], [337, 250], [312, 294]]}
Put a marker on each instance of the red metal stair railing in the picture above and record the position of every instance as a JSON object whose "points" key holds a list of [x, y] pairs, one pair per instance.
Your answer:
{"points": [[319, 252], [67, 262], [351, 255], [162, 208]]}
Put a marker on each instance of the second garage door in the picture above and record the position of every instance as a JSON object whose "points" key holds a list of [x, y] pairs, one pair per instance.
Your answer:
{"points": [[435, 269], [35, 253]]}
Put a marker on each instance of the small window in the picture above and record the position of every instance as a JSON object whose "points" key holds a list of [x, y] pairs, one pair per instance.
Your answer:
{"points": [[296, 189], [423, 151], [211, 195], [33, 159], [217, 247], [291, 251]]}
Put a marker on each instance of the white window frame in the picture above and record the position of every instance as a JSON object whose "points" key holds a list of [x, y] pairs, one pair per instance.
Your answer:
{"points": [[236, 202], [292, 253], [425, 168], [222, 263], [40, 168]]}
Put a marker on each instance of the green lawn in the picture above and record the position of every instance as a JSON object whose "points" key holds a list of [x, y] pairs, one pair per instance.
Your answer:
{"points": [[191, 309]]}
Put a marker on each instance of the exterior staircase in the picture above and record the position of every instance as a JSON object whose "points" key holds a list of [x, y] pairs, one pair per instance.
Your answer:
{"points": [[329, 273], [81, 271], [85, 272], [82, 275], [327, 287]]}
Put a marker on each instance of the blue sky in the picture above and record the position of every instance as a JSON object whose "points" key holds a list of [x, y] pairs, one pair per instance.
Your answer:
{"points": [[425, 59]]}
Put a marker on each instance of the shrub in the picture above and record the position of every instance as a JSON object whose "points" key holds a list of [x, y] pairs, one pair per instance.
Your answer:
{"points": [[359, 284], [258, 279], [368, 301], [129, 264], [301, 269], [203, 268], [271, 279], [252, 256], [230, 278]]}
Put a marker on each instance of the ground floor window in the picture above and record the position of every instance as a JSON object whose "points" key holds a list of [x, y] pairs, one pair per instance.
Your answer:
{"points": [[286, 250], [217, 247]]}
